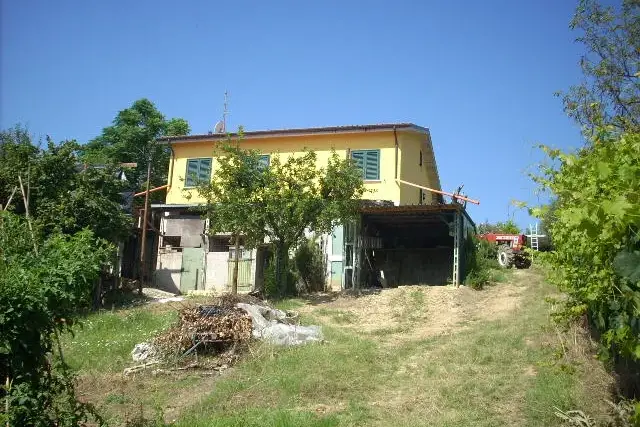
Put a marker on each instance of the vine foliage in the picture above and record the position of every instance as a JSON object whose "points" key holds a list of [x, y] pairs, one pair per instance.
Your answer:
{"points": [[596, 236]]}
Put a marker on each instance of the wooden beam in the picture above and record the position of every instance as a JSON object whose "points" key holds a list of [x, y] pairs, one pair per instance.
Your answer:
{"points": [[446, 193]]}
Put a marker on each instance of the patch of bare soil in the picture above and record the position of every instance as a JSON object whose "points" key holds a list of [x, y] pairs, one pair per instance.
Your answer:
{"points": [[125, 397], [411, 313]]}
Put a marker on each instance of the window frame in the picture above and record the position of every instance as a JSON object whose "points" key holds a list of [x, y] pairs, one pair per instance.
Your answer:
{"points": [[365, 162], [197, 179], [265, 165]]}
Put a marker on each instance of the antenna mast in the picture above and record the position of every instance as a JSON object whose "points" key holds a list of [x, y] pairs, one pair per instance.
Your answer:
{"points": [[225, 112]]}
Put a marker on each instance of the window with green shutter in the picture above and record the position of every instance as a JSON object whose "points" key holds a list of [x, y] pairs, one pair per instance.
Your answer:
{"points": [[369, 163], [265, 160], [198, 171]]}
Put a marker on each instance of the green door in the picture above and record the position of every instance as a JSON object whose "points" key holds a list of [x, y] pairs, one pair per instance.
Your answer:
{"points": [[191, 273], [336, 275]]}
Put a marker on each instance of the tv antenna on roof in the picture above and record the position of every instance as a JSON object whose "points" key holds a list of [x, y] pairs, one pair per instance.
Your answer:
{"points": [[225, 112], [221, 126]]}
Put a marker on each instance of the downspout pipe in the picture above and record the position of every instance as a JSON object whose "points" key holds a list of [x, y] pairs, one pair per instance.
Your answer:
{"points": [[395, 138], [171, 165]]}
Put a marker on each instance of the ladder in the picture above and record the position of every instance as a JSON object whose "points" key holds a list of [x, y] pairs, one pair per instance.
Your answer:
{"points": [[535, 237], [456, 248]]}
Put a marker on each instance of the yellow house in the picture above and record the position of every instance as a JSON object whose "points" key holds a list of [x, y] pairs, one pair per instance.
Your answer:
{"points": [[386, 152], [398, 166]]}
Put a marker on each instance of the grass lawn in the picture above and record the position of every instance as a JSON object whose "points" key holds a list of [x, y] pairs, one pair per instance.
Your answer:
{"points": [[410, 356]]}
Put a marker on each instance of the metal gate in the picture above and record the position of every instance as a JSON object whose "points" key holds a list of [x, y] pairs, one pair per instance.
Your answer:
{"points": [[191, 272], [245, 278]]}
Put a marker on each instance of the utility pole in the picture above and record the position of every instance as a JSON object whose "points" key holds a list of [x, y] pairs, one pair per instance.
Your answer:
{"points": [[236, 261], [143, 245]]}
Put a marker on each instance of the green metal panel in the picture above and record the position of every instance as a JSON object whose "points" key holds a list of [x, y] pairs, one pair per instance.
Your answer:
{"points": [[191, 268], [337, 240], [336, 275]]}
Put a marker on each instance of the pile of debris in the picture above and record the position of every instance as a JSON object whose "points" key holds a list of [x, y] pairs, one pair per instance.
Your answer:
{"points": [[279, 327], [204, 326], [221, 329]]}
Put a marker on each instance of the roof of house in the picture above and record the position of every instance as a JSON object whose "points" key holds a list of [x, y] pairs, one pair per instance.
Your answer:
{"points": [[299, 131]]}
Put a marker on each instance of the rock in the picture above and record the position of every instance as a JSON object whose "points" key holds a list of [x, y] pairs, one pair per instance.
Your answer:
{"points": [[143, 351], [269, 325]]}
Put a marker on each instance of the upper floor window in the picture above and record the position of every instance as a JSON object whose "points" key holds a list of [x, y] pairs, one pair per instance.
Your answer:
{"points": [[198, 172], [265, 161], [369, 163], [420, 164]]}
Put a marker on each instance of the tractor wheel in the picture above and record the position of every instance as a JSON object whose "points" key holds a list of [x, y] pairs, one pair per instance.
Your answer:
{"points": [[505, 256], [522, 260]]}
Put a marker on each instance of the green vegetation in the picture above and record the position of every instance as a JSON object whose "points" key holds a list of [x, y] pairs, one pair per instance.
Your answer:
{"points": [[62, 195], [310, 265], [481, 264], [44, 282], [92, 347], [132, 139], [507, 367], [60, 212], [507, 227], [609, 95], [594, 217], [596, 225]]}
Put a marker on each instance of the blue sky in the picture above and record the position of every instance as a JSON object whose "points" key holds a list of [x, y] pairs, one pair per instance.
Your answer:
{"points": [[480, 75]]}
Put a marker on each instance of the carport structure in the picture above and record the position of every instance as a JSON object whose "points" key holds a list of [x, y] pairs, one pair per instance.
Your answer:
{"points": [[407, 245]]}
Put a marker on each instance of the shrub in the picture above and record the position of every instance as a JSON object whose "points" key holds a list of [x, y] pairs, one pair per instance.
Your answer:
{"points": [[271, 288], [596, 235], [41, 292], [310, 265], [480, 258]]}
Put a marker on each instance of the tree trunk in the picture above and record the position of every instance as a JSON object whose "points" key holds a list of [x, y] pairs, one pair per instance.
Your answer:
{"points": [[236, 261], [282, 258]]}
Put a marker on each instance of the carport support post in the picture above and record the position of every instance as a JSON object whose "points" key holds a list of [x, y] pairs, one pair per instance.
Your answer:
{"points": [[456, 248]]}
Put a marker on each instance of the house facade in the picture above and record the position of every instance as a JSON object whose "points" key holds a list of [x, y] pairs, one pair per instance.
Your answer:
{"points": [[398, 167]]}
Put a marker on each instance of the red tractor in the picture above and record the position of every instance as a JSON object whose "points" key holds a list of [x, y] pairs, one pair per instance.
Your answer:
{"points": [[510, 249]]}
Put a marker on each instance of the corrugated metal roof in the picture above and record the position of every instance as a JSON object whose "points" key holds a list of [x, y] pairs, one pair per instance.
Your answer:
{"points": [[298, 131], [410, 209]]}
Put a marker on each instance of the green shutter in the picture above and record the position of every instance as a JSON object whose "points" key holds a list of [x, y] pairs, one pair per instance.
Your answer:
{"points": [[372, 165], [192, 173], [358, 159], [368, 161], [198, 170], [204, 174], [264, 160]]}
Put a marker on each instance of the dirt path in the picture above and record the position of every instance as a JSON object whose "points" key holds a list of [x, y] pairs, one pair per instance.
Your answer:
{"points": [[410, 313]]}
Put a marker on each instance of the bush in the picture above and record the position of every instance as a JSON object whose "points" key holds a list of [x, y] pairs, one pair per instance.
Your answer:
{"points": [[480, 258], [41, 293], [310, 265], [596, 235], [271, 288]]}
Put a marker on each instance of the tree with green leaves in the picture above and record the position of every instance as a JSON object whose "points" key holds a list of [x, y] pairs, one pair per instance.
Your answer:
{"points": [[610, 92], [132, 139], [279, 201], [63, 194], [506, 227]]}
